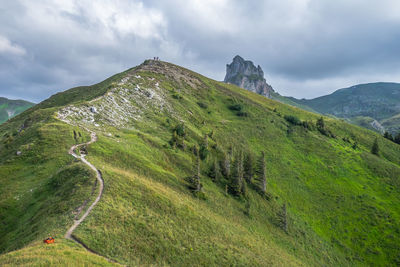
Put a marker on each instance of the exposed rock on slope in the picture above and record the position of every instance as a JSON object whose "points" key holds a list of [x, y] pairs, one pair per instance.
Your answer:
{"points": [[244, 74], [126, 101]]}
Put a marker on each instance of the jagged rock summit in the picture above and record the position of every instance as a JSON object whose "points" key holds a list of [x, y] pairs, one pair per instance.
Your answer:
{"points": [[245, 74]]}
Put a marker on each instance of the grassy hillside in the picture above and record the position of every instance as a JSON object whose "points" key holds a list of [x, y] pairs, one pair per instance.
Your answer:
{"points": [[10, 108], [342, 202], [63, 253]]}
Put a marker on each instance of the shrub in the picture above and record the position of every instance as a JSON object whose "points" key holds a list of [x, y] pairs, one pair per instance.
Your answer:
{"points": [[355, 145], [397, 139], [387, 135], [375, 147], [242, 114], [176, 96], [203, 152], [236, 107], [202, 105], [292, 119], [308, 125], [180, 130]]}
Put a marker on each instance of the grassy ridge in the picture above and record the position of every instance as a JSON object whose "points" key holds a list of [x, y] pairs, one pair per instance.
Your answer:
{"points": [[343, 202], [64, 253]]}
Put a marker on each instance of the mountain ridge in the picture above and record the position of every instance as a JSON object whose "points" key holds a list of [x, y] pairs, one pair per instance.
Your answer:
{"points": [[378, 102], [324, 192], [10, 108]]}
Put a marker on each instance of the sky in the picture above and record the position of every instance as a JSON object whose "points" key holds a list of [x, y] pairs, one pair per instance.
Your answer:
{"points": [[307, 48]]}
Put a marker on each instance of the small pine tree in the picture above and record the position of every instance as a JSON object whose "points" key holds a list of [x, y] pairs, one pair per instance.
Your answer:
{"points": [[195, 181], [397, 139], [236, 179], [174, 140], [180, 130], [205, 141], [204, 148], [244, 188], [262, 173], [375, 147], [214, 171], [225, 166], [247, 208], [211, 134], [387, 135], [283, 220], [230, 152], [320, 123], [355, 145], [248, 167]]}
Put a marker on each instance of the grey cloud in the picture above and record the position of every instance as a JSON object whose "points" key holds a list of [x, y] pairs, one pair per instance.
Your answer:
{"points": [[306, 47]]}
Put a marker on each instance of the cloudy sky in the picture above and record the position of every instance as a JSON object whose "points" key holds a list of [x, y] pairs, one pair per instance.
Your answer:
{"points": [[306, 48]]}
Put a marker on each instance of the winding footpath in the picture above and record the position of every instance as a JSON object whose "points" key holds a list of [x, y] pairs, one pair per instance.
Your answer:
{"points": [[69, 234], [93, 138]]}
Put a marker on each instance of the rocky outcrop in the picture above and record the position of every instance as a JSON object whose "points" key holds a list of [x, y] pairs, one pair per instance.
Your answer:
{"points": [[244, 74]]}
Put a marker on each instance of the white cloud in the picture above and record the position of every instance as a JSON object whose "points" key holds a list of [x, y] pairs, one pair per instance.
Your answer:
{"points": [[7, 47], [112, 19]]}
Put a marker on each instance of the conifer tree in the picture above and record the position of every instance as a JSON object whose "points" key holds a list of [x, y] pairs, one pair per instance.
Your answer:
{"points": [[262, 173], [321, 123], [387, 135], [236, 179], [214, 171], [204, 148], [247, 208], [283, 220], [225, 165], [174, 140], [205, 141], [397, 139], [375, 147], [248, 167], [195, 181]]}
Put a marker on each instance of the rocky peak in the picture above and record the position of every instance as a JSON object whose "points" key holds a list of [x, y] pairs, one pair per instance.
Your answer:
{"points": [[245, 74]]}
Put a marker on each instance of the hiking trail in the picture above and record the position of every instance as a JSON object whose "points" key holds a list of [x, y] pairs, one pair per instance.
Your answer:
{"points": [[69, 234]]}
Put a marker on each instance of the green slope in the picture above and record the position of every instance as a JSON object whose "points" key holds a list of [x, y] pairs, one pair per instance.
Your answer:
{"points": [[10, 108], [342, 202]]}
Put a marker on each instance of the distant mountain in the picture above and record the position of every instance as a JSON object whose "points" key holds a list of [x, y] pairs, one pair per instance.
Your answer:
{"points": [[245, 74], [10, 108], [373, 105]]}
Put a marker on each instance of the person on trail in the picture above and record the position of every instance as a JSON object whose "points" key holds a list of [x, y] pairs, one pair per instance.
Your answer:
{"points": [[49, 240]]}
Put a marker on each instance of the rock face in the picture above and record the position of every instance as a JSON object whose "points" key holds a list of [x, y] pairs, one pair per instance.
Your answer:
{"points": [[244, 74]]}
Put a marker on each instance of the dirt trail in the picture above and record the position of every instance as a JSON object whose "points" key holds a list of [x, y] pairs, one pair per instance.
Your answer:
{"points": [[69, 233], [93, 138]]}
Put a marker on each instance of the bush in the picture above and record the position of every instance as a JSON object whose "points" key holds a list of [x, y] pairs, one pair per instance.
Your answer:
{"points": [[180, 130], [236, 107], [242, 114], [203, 152], [292, 119], [202, 105], [176, 96], [308, 125], [375, 147]]}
